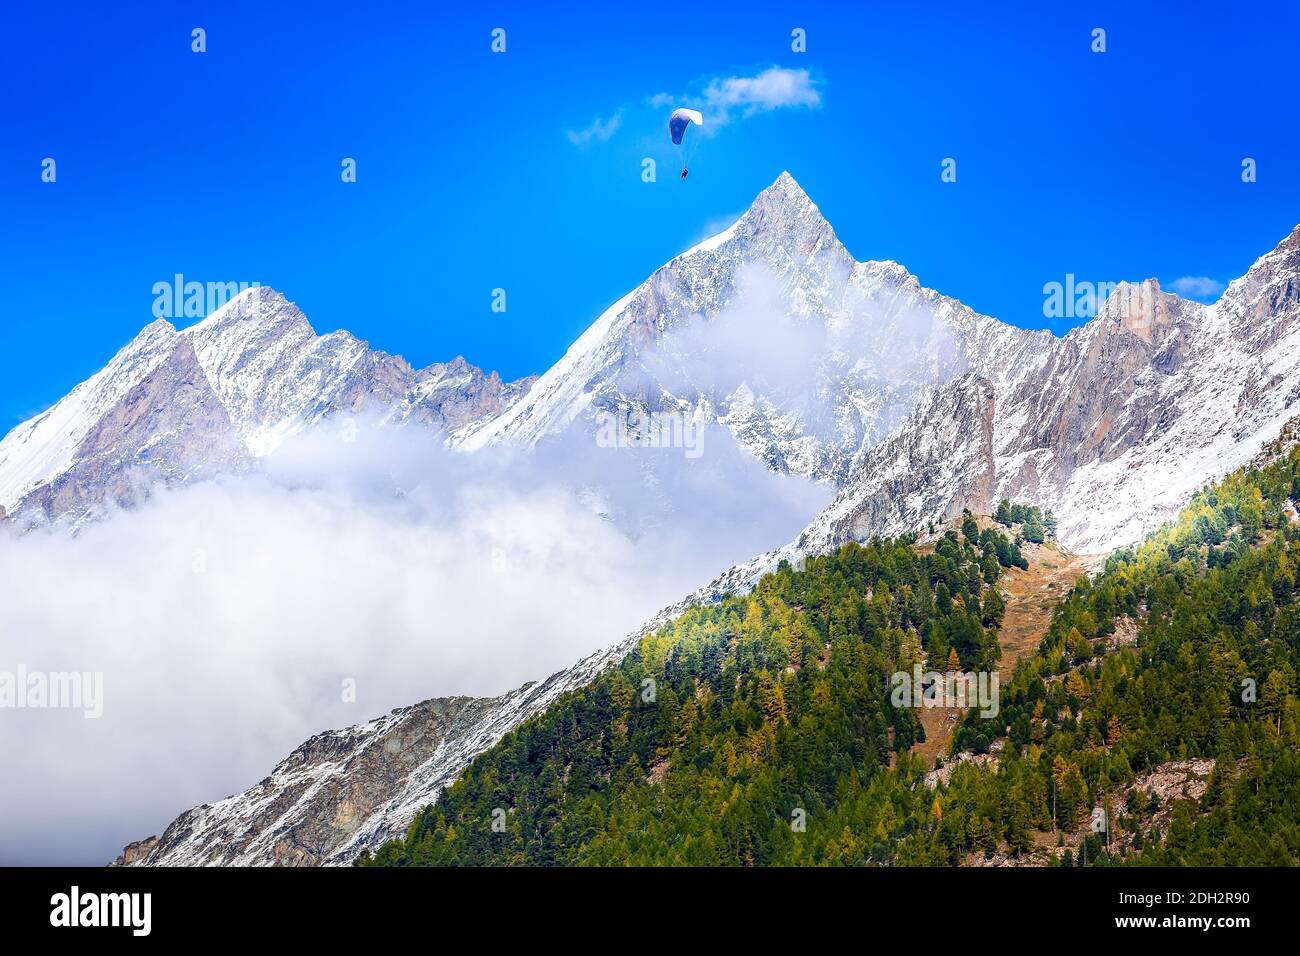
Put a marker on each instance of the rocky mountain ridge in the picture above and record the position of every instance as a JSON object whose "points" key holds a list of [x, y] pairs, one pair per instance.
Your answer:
{"points": [[178, 406]]}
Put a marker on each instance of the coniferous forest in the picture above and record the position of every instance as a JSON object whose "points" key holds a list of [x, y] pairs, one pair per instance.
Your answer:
{"points": [[760, 730]]}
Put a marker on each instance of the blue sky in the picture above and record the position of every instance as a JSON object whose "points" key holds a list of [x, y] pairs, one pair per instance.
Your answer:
{"points": [[473, 172]]}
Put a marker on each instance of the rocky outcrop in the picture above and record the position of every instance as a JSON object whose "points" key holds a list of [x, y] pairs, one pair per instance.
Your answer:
{"points": [[1154, 793], [455, 394], [343, 791], [136, 852], [316, 799], [936, 466]]}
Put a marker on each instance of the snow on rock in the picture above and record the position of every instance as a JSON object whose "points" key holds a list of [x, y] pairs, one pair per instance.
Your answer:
{"points": [[343, 791], [43, 447]]}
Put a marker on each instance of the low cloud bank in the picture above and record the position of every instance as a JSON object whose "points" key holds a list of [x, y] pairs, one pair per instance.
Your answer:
{"points": [[225, 617]]}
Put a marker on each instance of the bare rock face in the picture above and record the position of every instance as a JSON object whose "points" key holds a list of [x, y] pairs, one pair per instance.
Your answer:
{"points": [[314, 800], [1177, 780], [894, 491], [456, 394], [168, 428], [136, 852]]}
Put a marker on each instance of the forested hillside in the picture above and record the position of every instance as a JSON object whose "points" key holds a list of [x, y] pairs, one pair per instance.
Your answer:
{"points": [[761, 730]]}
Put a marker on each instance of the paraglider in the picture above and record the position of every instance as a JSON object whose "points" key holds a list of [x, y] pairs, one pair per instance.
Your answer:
{"points": [[678, 125]]}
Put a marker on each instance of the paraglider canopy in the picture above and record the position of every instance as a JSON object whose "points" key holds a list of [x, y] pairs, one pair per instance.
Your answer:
{"points": [[678, 124], [681, 119]]}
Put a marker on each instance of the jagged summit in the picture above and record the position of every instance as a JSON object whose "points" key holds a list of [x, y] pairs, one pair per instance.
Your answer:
{"points": [[784, 189], [778, 216], [156, 327], [784, 207]]}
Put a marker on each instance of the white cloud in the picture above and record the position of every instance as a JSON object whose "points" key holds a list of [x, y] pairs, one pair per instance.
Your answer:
{"points": [[598, 132], [1197, 287], [756, 341], [724, 97], [224, 616], [774, 88]]}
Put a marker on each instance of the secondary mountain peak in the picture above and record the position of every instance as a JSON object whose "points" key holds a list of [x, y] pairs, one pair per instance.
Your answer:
{"points": [[257, 307], [1292, 241]]}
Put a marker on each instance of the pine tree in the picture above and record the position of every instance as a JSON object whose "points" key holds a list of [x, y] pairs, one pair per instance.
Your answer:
{"points": [[1060, 773], [994, 608]]}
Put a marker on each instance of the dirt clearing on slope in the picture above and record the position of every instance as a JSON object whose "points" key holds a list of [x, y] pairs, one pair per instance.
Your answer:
{"points": [[1030, 595]]}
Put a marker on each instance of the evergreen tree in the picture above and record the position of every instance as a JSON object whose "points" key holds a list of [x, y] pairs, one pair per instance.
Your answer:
{"points": [[1003, 514]]}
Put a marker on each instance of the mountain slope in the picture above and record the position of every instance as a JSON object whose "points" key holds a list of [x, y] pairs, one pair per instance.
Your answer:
{"points": [[769, 738], [169, 427], [42, 448]]}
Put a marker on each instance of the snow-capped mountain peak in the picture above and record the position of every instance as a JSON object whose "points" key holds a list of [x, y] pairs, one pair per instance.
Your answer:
{"points": [[180, 405]]}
